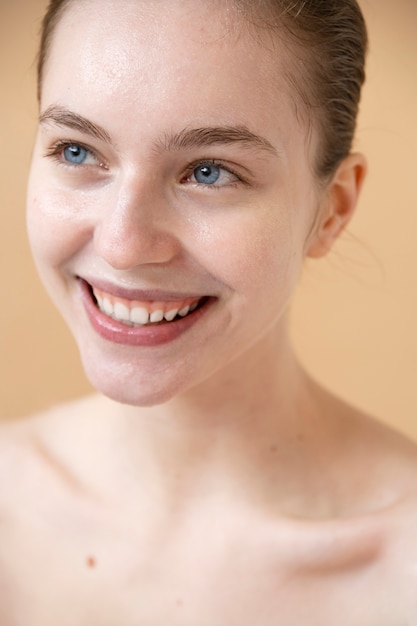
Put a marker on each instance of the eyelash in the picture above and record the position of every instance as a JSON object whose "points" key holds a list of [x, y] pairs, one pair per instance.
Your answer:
{"points": [[57, 149]]}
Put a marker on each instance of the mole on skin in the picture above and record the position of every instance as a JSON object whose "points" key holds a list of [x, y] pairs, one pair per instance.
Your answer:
{"points": [[91, 562]]}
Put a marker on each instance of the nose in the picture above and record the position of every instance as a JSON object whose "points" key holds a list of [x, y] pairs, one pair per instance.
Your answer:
{"points": [[136, 227]]}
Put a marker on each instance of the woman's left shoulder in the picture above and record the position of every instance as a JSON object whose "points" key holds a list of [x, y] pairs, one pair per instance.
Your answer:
{"points": [[397, 467]]}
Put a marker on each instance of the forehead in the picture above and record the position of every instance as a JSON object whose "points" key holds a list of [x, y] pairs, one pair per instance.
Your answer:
{"points": [[204, 57]]}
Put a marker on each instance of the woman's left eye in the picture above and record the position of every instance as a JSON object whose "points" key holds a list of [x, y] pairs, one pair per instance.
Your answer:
{"points": [[211, 174]]}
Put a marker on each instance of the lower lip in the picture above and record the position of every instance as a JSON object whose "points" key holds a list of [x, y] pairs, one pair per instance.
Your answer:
{"points": [[145, 336]]}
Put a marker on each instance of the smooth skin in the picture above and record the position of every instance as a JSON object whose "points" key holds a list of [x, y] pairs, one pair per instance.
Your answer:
{"points": [[210, 482]]}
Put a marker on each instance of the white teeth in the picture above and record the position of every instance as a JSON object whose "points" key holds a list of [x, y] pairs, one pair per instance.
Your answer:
{"points": [[169, 316], [139, 315], [121, 312], [157, 316], [107, 307], [99, 301], [183, 312]]}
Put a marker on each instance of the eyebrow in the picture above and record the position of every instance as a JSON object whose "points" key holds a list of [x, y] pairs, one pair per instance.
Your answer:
{"points": [[64, 117], [215, 135], [185, 139]]}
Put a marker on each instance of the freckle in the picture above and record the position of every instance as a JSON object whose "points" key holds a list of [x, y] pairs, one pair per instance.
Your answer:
{"points": [[91, 562], [273, 449], [180, 602]]}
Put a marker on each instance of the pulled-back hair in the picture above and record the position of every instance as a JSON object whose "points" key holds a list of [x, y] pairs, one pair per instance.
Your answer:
{"points": [[328, 39]]}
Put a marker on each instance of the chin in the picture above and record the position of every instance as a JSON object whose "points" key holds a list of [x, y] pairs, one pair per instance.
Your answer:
{"points": [[128, 384], [139, 395]]}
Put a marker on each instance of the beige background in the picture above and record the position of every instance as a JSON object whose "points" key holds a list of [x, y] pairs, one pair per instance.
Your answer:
{"points": [[354, 318]]}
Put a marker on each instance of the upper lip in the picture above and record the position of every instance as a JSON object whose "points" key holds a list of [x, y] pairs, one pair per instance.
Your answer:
{"points": [[151, 295]]}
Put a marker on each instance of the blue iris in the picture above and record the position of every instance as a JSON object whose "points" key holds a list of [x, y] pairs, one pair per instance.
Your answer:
{"points": [[207, 174], [75, 154]]}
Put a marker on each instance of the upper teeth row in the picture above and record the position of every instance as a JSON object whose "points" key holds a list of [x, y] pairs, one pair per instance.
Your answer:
{"points": [[139, 315]]}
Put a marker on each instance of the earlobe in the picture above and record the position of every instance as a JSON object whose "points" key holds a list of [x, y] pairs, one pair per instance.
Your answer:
{"points": [[339, 205]]}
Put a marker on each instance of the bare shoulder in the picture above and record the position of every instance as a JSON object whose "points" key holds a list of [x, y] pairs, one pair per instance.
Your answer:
{"points": [[388, 456], [382, 466], [31, 453], [397, 567], [379, 461]]}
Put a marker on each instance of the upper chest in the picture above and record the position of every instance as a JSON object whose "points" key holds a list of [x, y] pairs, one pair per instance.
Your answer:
{"points": [[219, 572]]}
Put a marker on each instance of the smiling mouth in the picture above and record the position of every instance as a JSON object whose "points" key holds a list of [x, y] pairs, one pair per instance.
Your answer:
{"points": [[138, 313]]}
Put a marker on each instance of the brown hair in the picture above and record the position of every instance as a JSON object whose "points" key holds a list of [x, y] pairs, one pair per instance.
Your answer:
{"points": [[329, 42]]}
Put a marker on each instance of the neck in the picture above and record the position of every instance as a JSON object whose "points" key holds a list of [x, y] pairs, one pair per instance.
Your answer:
{"points": [[240, 428]]}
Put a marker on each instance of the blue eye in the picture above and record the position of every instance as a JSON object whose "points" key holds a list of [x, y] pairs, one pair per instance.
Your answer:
{"points": [[75, 154], [207, 174]]}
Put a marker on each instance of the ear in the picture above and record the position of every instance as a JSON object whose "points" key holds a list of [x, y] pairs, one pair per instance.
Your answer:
{"points": [[340, 200]]}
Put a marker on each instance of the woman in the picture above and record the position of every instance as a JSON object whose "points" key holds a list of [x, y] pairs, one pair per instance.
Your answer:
{"points": [[189, 158]]}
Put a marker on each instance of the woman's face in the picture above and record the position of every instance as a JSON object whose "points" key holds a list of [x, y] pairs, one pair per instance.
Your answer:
{"points": [[170, 174]]}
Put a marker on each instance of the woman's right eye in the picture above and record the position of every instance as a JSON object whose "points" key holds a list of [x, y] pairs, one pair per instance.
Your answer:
{"points": [[72, 153], [75, 154]]}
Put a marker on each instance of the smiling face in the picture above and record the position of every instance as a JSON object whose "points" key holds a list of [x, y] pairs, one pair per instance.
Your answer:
{"points": [[171, 177]]}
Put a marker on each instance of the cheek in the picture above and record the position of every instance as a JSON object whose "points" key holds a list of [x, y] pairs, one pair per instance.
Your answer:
{"points": [[55, 229], [254, 252]]}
